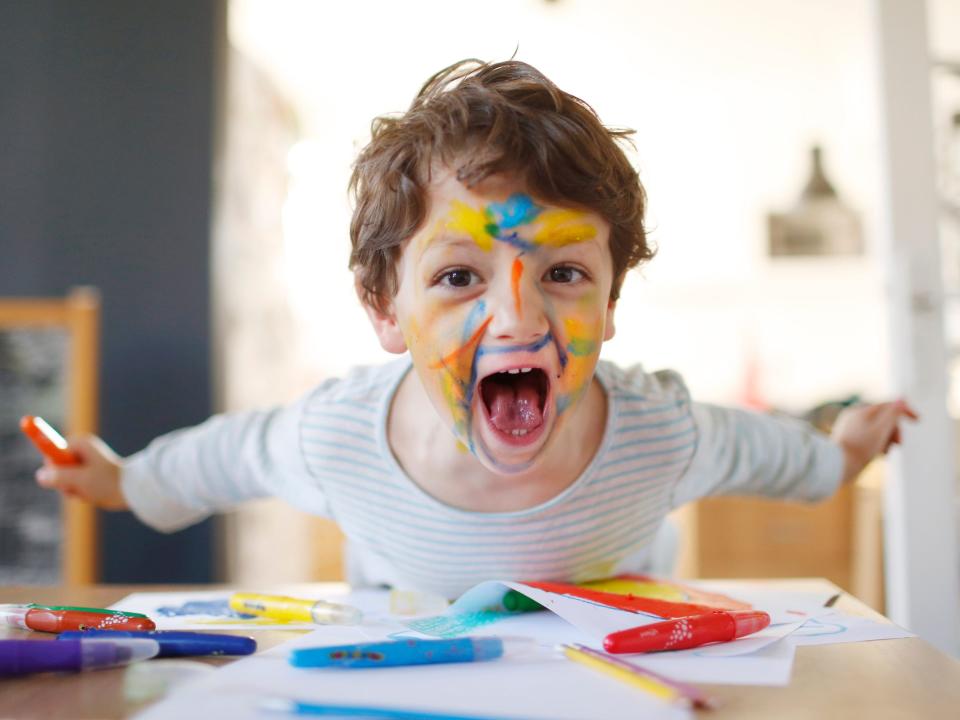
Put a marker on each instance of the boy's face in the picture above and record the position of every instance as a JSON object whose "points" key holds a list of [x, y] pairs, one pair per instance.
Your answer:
{"points": [[503, 302]]}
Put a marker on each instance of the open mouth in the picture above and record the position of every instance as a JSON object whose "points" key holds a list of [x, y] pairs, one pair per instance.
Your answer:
{"points": [[515, 402]]}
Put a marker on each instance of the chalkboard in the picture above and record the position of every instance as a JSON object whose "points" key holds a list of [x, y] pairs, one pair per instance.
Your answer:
{"points": [[33, 381]]}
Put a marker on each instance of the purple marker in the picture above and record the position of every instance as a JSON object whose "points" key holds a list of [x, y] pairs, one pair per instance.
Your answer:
{"points": [[22, 657]]}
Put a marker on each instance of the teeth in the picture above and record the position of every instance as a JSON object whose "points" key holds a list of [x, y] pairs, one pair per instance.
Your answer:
{"points": [[519, 432], [525, 370], [514, 371]]}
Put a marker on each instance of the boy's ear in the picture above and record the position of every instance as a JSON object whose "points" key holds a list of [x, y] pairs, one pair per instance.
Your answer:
{"points": [[609, 328], [385, 324]]}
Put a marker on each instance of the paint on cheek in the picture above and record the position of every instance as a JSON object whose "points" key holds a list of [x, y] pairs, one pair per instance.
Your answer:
{"points": [[579, 340], [516, 272], [582, 345], [558, 228], [476, 223], [458, 377]]}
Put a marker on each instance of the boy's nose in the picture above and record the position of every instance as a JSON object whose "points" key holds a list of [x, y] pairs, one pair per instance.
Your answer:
{"points": [[518, 311]]}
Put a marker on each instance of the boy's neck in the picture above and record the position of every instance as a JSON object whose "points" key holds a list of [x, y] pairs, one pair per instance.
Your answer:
{"points": [[430, 455]]}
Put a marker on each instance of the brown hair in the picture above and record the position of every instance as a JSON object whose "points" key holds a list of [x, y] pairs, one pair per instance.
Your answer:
{"points": [[504, 117]]}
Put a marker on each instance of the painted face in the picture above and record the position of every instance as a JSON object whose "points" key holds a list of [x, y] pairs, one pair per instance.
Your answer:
{"points": [[503, 304]]}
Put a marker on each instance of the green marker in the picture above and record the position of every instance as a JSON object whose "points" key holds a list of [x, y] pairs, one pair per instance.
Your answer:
{"points": [[75, 608], [518, 602]]}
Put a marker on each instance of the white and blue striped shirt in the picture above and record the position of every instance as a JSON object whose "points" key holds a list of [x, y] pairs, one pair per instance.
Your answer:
{"points": [[328, 454]]}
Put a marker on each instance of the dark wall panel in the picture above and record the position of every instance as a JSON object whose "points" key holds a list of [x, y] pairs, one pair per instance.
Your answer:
{"points": [[106, 136]]}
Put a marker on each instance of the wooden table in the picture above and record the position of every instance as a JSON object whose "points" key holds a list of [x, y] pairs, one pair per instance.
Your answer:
{"points": [[906, 678]]}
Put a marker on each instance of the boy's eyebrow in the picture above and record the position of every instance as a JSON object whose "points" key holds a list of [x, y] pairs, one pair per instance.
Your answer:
{"points": [[447, 239]]}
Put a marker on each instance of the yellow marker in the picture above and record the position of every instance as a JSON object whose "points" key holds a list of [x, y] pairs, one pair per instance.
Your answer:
{"points": [[281, 607], [613, 668]]}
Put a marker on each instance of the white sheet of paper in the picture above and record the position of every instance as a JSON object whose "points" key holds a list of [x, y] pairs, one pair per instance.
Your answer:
{"points": [[769, 661], [541, 686], [787, 612], [834, 627], [771, 665]]}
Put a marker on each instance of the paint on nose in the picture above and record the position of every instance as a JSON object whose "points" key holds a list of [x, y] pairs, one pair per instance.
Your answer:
{"points": [[515, 274]]}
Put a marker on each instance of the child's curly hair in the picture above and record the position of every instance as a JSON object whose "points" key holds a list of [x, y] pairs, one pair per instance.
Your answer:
{"points": [[482, 119]]}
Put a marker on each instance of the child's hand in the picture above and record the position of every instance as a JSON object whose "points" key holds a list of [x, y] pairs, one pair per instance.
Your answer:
{"points": [[865, 431], [96, 479]]}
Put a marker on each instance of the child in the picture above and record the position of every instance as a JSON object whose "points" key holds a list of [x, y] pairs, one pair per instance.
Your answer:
{"points": [[494, 223]]}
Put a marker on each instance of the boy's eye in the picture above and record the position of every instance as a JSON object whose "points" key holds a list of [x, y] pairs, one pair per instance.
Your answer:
{"points": [[565, 274], [460, 277]]}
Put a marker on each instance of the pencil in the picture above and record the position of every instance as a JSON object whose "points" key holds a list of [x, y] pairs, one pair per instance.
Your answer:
{"points": [[646, 680]]}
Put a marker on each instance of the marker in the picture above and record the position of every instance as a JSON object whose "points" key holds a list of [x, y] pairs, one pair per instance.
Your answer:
{"points": [[22, 657], [366, 712], [177, 643], [56, 621], [280, 607], [108, 611], [647, 680], [410, 651], [687, 632], [48, 441]]}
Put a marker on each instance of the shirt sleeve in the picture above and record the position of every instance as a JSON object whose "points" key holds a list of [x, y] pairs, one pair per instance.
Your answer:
{"points": [[740, 452], [183, 477]]}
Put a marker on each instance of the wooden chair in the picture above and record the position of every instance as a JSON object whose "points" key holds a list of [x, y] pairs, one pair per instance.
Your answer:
{"points": [[78, 315]]}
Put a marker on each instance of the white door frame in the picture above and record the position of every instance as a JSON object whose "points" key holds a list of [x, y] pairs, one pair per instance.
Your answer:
{"points": [[921, 558]]}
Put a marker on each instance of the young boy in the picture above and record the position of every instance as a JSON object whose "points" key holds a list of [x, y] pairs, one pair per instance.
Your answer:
{"points": [[494, 223]]}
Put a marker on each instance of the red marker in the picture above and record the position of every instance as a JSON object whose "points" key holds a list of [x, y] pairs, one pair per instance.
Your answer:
{"points": [[48, 441], [687, 632], [56, 621]]}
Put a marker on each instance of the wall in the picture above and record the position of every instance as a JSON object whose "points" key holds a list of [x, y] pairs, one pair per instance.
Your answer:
{"points": [[106, 126], [726, 99]]}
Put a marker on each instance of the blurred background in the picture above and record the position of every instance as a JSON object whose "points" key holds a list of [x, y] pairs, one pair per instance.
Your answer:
{"points": [[186, 162]]}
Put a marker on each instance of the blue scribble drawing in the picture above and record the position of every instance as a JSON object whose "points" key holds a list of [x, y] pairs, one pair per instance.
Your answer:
{"points": [[814, 627], [459, 624], [216, 608]]}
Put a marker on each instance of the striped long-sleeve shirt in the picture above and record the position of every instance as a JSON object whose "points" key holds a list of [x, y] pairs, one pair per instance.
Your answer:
{"points": [[328, 454]]}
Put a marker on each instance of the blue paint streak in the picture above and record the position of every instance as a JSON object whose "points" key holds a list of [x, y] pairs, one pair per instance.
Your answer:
{"points": [[529, 347], [518, 209], [517, 242], [473, 320]]}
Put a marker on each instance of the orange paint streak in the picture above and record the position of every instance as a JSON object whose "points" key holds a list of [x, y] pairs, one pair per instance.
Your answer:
{"points": [[450, 359], [515, 275]]}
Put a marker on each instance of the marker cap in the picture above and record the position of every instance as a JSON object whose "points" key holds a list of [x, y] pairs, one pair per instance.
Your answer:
{"points": [[21, 657]]}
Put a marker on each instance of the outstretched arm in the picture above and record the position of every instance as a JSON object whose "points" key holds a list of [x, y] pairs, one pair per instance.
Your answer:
{"points": [[865, 431]]}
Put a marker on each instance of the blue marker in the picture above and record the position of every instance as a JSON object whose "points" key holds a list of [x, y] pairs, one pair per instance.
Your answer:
{"points": [[177, 643], [408, 652], [364, 712]]}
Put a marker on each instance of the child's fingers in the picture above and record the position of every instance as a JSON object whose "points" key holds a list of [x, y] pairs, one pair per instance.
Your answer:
{"points": [[61, 478], [904, 409], [894, 439]]}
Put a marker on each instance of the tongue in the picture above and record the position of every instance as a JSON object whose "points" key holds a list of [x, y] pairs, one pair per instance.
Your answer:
{"points": [[515, 408]]}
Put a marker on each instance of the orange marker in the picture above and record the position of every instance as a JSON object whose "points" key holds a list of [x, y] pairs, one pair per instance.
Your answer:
{"points": [[48, 441]]}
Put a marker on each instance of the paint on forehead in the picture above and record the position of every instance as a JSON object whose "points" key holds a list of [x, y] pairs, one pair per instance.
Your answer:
{"points": [[516, 210], [478, 224], [558, 228], [499, 221]]}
